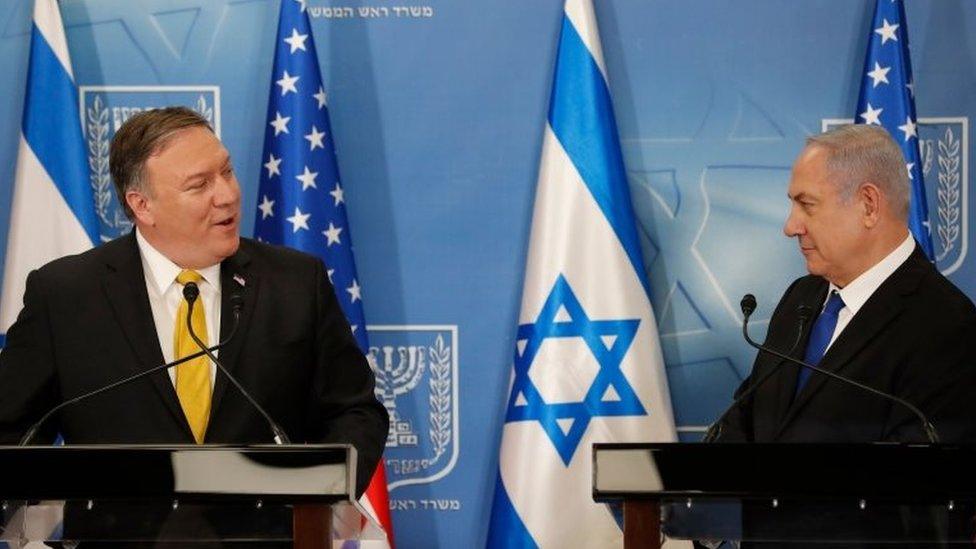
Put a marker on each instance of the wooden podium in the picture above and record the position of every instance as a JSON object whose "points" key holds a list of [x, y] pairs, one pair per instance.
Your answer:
{"points": [[845, 494], [298, 495]]}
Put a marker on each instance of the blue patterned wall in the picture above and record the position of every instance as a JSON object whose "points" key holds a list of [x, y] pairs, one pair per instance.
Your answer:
{"points": [[438, 108]]}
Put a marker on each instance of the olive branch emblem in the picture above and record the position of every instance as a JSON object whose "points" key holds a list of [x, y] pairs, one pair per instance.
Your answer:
{"points": [[205, 110], [948, 191], [96, 126], [440, 397]]}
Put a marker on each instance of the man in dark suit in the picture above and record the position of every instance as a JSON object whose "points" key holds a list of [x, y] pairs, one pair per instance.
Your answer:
{"points": [[882, 314], [91, 319]]}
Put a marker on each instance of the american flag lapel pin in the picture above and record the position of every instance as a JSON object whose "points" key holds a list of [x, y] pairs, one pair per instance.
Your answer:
{"points": [[240, 280]]}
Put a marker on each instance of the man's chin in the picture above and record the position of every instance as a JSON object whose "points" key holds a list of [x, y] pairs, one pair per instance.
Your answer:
{"points": [[233, 245], [228, 247], [816, 268]]}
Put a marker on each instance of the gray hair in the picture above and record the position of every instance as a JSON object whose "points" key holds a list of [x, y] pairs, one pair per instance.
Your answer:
{"points": [[140, 137], [861, 153]]}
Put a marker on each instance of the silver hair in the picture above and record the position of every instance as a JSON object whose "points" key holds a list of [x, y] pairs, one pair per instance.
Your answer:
{"points": [[861, 153]]}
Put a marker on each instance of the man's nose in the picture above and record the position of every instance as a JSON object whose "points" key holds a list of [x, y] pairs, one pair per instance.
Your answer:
{"points": [[793, 226], [228, 191]]}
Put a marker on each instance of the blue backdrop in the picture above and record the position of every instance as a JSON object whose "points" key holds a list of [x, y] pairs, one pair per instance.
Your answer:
{"points": [[438, 108]]}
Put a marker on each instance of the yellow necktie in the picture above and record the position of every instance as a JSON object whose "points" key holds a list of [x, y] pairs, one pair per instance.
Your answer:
{"points": [[193, 376]]}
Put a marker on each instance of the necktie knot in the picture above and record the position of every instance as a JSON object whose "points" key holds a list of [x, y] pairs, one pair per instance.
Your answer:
{"points": [[834, 304], [187, 276]]}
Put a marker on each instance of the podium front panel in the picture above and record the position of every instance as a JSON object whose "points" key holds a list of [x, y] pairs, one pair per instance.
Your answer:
{"points": [[121, 521], [180, 494], [781, 493]]}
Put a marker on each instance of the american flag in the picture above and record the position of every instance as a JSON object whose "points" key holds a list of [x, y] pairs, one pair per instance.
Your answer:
{"points": [[300, 198], [887, 99]]}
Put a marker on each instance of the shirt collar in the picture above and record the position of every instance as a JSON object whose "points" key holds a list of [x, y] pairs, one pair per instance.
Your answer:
{"points": [[861, 288], [161, 271]]}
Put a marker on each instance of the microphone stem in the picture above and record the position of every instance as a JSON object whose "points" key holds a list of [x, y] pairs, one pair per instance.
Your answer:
{"points": [[929, 429], [280, 437], [715, 429], [32, 432]]}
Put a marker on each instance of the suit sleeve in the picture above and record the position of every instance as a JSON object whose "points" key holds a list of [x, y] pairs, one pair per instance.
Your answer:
{"points": [[27, 384], [940, 379], [344, 405], [738, 423]]}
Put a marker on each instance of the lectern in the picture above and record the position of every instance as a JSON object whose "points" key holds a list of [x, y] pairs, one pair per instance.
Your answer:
{"points": [[299, 496], [845, 494]]}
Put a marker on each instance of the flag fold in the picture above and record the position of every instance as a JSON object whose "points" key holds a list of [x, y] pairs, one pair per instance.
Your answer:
{"points": [[587, 362]]}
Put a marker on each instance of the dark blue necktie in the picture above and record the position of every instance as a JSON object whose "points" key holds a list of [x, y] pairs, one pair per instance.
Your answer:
{"points": [[823, 330]]}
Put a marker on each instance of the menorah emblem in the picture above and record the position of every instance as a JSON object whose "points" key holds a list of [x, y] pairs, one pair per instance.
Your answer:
{"points": [[401, 370], [416, 379]]}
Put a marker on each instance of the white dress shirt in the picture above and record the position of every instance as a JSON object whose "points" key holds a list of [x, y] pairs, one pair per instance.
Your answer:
{"points": [[165, 295], [857, 292]]}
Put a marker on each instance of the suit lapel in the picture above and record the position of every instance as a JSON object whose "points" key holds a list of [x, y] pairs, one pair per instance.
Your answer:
{"points": [[884, 305], [786, 381], [234, 277], [125, 290]]}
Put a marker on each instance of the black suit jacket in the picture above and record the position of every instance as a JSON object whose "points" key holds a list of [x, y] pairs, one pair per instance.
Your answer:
{"points": [[87, 322], [915, 337]]}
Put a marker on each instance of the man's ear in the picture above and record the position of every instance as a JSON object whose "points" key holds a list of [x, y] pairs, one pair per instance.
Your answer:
{"points": [[141, 207], [870, 200]]}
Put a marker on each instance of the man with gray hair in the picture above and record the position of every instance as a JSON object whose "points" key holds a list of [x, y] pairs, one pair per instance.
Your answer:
{"points": [[876, 310]]}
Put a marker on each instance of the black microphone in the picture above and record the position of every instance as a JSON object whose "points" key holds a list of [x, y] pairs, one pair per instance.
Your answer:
{"points": [[190, 293], [749, 305], [32, 432]]}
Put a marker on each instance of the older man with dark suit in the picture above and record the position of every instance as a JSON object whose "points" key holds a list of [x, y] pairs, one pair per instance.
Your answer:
{"points": [[883, 315], [97, 317]]}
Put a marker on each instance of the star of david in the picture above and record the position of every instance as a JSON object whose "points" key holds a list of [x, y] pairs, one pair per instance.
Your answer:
{"points": [[610, 394]]}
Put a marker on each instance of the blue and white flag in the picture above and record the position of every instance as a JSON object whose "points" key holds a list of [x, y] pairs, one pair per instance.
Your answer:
{"points": [[53, 212], [887, 99], [588, 365], [300, 197]]}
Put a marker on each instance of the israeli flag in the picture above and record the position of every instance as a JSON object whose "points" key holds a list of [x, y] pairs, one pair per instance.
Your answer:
{"points": [[53, 211], [588, 365]]}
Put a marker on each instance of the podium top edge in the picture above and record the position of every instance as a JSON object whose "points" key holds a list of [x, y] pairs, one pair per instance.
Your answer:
{"points": [[183, 447]]}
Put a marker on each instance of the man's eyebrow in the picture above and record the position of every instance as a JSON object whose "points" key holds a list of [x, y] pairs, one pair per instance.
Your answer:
{"points": [[800, 196], [195, 176], [206, 172]]}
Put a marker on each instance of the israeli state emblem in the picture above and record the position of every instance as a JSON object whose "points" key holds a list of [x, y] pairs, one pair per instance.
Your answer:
{"points": [[417, 382], [104, 109], [943, 145]]}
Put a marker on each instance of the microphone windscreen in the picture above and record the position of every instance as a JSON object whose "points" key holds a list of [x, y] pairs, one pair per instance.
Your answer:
{"points": [[191, 292], [748, 304]]}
